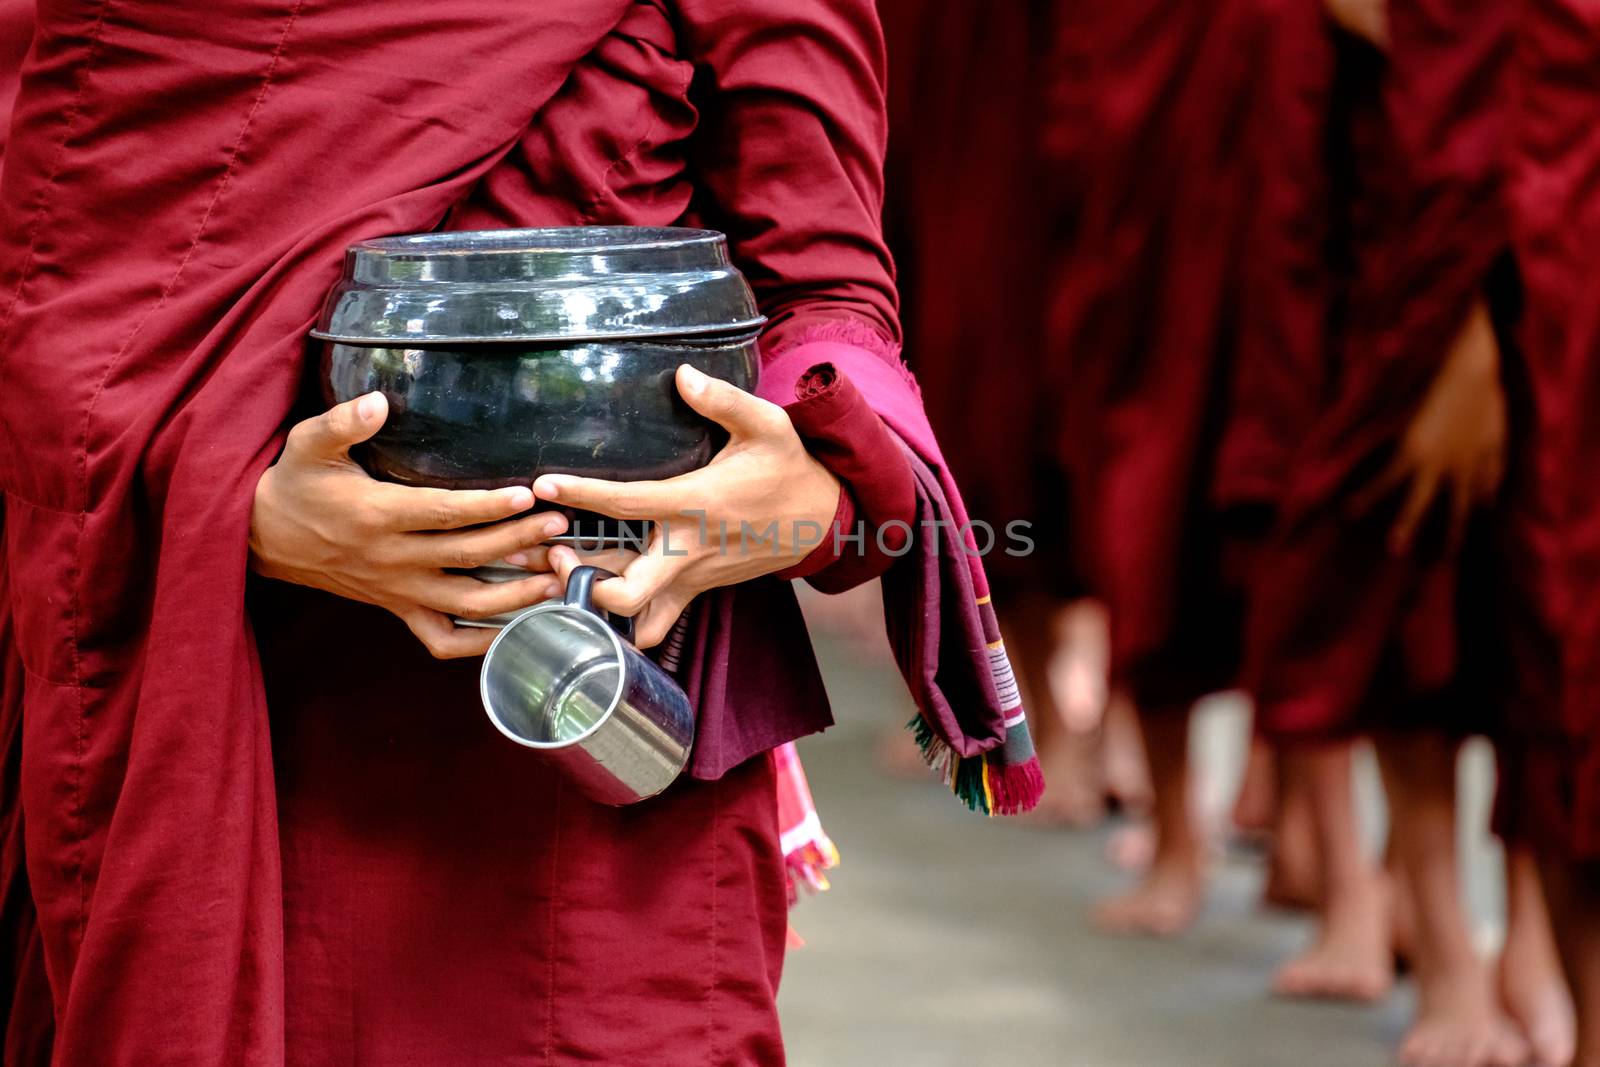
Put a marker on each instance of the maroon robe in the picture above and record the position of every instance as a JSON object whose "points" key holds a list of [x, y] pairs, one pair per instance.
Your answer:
{"points": [[1151, 117], [971, 215], [1551, 786], [16, 32], [367, 874], [1344, 633], [26, 1022]]}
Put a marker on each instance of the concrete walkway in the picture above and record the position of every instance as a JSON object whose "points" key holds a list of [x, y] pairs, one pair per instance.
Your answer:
{"points": [[951, 939]]}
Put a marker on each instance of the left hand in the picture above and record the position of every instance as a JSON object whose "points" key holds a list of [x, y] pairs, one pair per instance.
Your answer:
{"points": [[1364, 18], [763, 480], [1455, 445]]}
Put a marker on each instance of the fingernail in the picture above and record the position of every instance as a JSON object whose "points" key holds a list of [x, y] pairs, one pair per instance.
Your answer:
{"points": [[367, 407], [693, 380], [519, 497], [517, 559], [556, 524], [547, 487]]}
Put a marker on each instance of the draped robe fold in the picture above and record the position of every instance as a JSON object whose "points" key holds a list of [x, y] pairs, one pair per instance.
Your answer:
{"points": [[365, 875]]}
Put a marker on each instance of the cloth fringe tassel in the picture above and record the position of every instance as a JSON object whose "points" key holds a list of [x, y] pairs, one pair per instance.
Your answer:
{"points": [[981, 782]]}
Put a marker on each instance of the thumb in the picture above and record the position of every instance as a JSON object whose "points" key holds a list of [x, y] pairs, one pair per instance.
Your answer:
{"points": [[330, 435], [742, 414]]}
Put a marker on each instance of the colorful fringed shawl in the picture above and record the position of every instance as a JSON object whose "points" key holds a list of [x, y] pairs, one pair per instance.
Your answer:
{"points": [[808, 854], [970, 722]]}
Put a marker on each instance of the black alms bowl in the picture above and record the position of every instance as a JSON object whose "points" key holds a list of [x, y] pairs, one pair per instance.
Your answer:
{"points": [[506, 354], [484, 416]]}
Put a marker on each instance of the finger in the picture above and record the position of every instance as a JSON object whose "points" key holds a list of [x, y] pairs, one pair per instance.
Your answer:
{"points": [[639, 583], [650, 629], [1462, 499], [1374, 492], [614, 560], [742, 414], [636, 584], [469, 598], [620, 500], [329, 436], [466, 549], [536, 559], [1418, 500], [444, 638], [408, 509]]}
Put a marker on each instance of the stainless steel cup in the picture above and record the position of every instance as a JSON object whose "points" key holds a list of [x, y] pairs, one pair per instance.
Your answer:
{"points": [[562, 680]]}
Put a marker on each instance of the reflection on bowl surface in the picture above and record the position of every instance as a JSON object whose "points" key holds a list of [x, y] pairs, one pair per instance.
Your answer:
{"points": [[546, 286], [489, 415]]}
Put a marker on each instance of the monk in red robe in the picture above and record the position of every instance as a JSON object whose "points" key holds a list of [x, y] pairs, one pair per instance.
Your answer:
{"points": [[1376, 608], [264, 824], [1151, 132], [968, 211], [1550, 796]]}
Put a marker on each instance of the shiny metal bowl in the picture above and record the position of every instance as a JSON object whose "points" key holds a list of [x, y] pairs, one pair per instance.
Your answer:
{"points": [[587, 283], [506, 354], [490, 415]]}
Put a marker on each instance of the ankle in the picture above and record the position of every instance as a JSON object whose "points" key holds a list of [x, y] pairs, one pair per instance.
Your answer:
{"points": [[1182, 853], [1457, 977]]}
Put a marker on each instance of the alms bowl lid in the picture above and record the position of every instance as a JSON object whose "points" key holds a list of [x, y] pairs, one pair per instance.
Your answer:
{"points": [[538, 285]]}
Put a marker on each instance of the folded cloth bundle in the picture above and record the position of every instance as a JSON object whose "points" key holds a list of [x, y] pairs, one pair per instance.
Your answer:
{"points": [[849, 393]]}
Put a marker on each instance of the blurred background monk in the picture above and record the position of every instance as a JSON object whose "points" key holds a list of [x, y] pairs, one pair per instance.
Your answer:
{"points": [[968, 222], [1150, 106], [1550, 795], [1378, 606]]}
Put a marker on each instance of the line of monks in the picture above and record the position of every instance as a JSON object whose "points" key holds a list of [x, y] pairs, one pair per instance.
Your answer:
{"points": [[1280, 320]]}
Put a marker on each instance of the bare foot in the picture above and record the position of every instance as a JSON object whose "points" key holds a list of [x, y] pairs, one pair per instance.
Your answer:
{"points": [[1164, 904], [1067, 803], [1076, 795], [1460, 1024], [1352, 958], [1534, 994], [1124, 768]]}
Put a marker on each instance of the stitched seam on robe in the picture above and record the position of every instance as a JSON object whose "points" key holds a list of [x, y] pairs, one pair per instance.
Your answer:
{"points": [[716, 869], [194, 243], [592, 208], [550, 939], [41, 209]]}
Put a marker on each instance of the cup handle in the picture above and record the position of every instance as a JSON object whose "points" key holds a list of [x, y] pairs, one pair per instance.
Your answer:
{"points": [[580, 594]]}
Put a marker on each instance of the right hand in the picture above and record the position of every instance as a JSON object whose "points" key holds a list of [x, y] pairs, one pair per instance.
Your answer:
{"points": [[320, 520]]}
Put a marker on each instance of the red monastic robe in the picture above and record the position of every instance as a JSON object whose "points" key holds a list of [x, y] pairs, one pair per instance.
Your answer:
{"points": [[16, 32], [971, 216], [367, 875], [26, 1021], [1343, 632], [1551, 790], [1151, 114]]}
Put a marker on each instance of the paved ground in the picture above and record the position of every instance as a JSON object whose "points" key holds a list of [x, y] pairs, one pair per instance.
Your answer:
{"points": [[949, 939]]}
